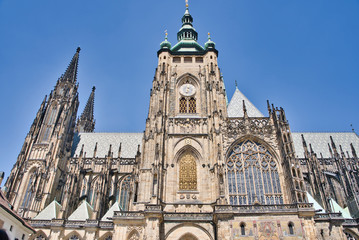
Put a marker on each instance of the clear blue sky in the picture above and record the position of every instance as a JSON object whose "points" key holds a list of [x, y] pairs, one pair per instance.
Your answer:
{"points": [[301, 55]]}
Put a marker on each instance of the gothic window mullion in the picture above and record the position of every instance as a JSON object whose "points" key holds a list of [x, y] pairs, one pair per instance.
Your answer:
{"points": [[253, 175]]}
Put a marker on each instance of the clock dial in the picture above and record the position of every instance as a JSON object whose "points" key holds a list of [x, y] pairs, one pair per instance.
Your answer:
{"points": [[187, 90]]}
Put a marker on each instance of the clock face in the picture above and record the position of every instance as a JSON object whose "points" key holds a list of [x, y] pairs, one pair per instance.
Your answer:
{"points": [[187, 90]]}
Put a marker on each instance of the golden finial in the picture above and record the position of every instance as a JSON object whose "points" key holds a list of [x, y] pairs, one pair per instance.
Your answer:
{"points": [[186, 3], [209, 35], [166, 34]]}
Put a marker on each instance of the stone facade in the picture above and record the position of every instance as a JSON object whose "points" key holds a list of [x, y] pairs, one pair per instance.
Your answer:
{"points": [[197, 171]]}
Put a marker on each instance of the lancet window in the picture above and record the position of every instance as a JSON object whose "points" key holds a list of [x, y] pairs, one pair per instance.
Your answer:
{"points": [[252, 175], [188, 173], [29, 191], [124, 193]]}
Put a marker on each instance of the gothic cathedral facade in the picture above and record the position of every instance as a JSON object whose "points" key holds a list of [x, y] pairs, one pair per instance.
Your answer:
{"points": [[202, 169]]}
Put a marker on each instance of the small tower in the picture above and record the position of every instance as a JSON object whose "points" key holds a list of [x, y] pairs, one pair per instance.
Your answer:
{"points": [[39, 173], [86, 122]]}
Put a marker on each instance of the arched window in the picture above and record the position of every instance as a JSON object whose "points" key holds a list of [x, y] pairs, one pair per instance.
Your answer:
{"points": [[40, 237], [291, 228], [92, 197], [183, 105], [124, 194], [192, 105], [243, 229], [84, 187], [188, 172], [134, 235], [74, 237], [252, 175], [29, 191]]}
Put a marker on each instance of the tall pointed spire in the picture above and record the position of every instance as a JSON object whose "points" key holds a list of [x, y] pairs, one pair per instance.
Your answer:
{"points": [[71, 71], [86, 123]]}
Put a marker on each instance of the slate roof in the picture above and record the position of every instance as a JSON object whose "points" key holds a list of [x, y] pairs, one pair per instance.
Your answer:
{"points": [[320, 140], [130, 142], [50, 212], [235, 106]]}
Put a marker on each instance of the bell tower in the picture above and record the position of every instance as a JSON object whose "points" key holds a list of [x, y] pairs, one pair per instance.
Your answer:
{"points": [[182, 140], [38, 175]]}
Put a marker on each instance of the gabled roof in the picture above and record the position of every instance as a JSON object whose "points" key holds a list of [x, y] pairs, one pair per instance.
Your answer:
{"points": [[109, 213], [320, 141], [235, 106], [129, 144], [82, 213], [50, 212]]}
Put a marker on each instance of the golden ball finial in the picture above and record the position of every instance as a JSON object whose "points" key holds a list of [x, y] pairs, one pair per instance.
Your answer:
{"points": [[186, 3]]}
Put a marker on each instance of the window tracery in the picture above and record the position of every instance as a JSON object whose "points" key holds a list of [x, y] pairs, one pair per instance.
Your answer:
{"points": [[252, 175], [188, 173], [124, 193], [30, 189]]}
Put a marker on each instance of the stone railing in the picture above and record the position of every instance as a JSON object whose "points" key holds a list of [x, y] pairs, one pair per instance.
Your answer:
{"points": [[327, 216], [188, 216], [153, 208], [69, 223], [128, 215], [262, 208]]}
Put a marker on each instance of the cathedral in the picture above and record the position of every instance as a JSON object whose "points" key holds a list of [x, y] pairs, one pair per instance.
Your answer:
{"points": [[204, 168]]}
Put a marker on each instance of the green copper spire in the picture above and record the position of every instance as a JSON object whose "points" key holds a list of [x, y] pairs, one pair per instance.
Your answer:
{"points": [[187, 32]]}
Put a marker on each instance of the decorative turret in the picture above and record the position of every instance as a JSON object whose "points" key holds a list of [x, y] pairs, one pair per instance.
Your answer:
{"points": [[187, 36], [187, 32], [209, 44], [86, 122], [165, 44]]}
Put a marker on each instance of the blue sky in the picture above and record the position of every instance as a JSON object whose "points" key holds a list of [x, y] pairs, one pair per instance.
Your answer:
{"points": [[301, 55]]}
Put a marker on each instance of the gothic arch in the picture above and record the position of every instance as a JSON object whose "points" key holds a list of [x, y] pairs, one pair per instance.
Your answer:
{"points": [[123, 191], [184, 228], [107, 236], [29, 187], [185, 149], [186, 76], [133, 235], [74, 235], [351, 235], [253, 173], [39, 235], [254, 139]]}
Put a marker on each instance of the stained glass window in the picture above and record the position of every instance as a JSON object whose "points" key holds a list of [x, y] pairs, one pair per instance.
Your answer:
{"points": [[124, 194], [252, 175], [188, 172], [29, 191]]}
